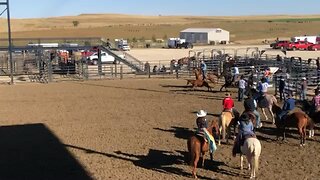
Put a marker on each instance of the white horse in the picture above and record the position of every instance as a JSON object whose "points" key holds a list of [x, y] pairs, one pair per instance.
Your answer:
{"points": [[252, 150]]}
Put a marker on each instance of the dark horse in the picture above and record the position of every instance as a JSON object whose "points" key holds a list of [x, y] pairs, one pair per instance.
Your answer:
{"points": [[306, 106], [227, 81], [298, 119], [198, 148]]}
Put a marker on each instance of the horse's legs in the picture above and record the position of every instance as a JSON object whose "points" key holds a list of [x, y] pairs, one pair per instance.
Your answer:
{"points": [[270, 111], [264, 113], [203, 155], [241, 161], [195, 163]]}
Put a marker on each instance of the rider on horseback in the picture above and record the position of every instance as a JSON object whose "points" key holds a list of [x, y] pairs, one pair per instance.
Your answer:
{"points": [[288, 106], [228, 104], [250, 105], [245, 131], [201, 124]]}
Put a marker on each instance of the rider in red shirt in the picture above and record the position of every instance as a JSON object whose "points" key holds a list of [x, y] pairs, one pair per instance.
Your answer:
{"points": [[228, 103]]}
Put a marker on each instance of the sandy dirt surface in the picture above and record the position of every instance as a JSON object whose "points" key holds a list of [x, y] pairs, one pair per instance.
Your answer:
{"points": [[165, 55], [127, 129]]}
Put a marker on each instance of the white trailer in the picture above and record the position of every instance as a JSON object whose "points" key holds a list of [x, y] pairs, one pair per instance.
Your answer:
{"points": [[311, 39]]}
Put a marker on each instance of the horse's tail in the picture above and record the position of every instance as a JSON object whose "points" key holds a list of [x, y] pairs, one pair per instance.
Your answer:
{"points": [[223, 125], [256, 154], [191, 151]]}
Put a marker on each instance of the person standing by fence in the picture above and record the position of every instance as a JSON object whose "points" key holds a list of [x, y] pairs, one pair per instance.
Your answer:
{"points": [[242, 87], [316, 101], [282, 85], [303, 93], [203, 68]]}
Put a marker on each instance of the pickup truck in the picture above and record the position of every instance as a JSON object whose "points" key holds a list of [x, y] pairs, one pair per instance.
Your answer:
{"points": [[314, 47], [299, 45], [280, 45], [105, 58]]}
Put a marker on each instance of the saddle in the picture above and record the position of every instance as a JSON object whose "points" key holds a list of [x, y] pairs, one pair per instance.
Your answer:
{"points": [[202, 138], [263, 102]]}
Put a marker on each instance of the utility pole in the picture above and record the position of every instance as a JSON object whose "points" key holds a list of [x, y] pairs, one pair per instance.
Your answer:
{"points": [[6, 4]]}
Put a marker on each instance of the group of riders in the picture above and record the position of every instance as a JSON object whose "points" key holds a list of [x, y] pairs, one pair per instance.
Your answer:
{"points": [[250, 118]]}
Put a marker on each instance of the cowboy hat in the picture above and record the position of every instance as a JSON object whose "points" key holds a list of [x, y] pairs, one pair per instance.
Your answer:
{"points": [[201, 113], [304, 78], [245, 117], [251, 67]]}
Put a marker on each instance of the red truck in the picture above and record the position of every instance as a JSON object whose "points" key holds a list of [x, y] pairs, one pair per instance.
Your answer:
{"points": [[299, 45], [315, 47], [280, 44]]}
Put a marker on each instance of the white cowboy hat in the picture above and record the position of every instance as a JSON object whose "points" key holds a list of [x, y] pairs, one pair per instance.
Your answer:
{"points": [[251, 67], [304, 78], [201, 113]]}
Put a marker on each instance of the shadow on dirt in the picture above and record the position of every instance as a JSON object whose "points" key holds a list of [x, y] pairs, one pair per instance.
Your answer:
{"points": [[179, 132], [32, 151]]}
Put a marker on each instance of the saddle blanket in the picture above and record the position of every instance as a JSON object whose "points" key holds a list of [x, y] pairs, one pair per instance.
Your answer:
{"points": [[210, 138]]}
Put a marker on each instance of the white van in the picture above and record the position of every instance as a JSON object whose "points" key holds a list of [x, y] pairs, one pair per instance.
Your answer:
{"points": [[105, 58]]}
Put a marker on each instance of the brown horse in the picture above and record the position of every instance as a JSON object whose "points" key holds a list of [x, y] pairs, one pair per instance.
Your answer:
{"points": [[298, 119], [197, 149], [210, 76], [198, 83]]}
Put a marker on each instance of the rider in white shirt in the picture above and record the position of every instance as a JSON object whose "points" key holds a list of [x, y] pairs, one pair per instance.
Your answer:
{"points": [[235, 73]]}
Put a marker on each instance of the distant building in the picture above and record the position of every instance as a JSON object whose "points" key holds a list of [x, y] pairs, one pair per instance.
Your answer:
{"points": [[205, 35]]}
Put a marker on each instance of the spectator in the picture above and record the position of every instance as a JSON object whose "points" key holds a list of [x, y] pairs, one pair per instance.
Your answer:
{"points": [[147, 67], [263, 86], [155, 69], [203, 67], [316, 101], [303, 93], [282, 85], [279, 59], [242, 87]]}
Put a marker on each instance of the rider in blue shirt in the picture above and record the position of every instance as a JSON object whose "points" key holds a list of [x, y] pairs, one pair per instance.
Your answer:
{"points": [[245, 130], [288, 105]]}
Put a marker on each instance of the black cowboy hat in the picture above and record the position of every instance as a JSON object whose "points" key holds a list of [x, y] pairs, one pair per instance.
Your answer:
{"points": [[245, 117]]}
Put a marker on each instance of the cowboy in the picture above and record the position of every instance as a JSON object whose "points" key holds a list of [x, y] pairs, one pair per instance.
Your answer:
{"points": [[263, 86], [235, 73], [201, 125], [250, 105], [242, 87], [288, 106], [245, 131], [316, 101], [228, 104], [303, 94], [203, 67]]}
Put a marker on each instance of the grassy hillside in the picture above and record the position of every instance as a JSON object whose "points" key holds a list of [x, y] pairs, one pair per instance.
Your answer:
{"points": [[134, 27]]}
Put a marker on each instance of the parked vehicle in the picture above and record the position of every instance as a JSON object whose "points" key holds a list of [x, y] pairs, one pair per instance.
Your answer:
{"points": [[310, 39], [105, 58], [280, 45], [122, 44], [179, 43], [299, 45], [315, 47]]}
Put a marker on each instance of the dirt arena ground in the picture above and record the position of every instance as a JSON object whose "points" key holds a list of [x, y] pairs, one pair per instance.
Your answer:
{"points": [[127, 129]]}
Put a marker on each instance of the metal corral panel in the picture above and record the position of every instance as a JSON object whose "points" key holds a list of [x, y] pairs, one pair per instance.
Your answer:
{"points": [[205, 35]]}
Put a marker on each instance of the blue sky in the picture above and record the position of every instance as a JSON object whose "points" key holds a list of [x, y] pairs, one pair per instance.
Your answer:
{"points": [[51, 8]]}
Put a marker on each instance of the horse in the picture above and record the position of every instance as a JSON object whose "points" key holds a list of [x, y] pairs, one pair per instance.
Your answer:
{"points": [[225, 122], [228, 81], [196, 150], [306, 106], [211, 76], [298, 119], [198, 83], [265, 102], [251, 148]]}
